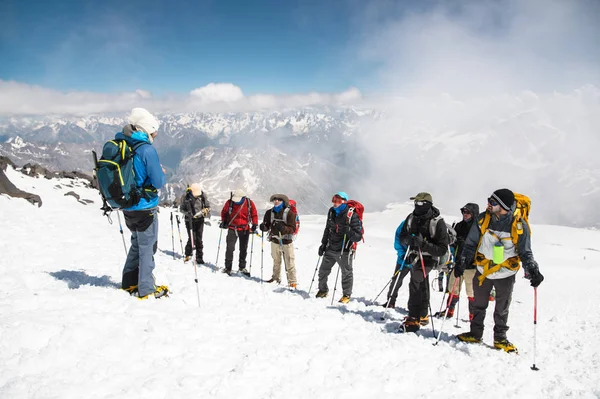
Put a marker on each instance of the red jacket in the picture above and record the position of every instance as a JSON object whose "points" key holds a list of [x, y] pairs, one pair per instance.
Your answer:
{"points": [[238, 218]]}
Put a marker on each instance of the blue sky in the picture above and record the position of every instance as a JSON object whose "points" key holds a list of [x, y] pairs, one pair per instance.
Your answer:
{"points": [[175, 46]]}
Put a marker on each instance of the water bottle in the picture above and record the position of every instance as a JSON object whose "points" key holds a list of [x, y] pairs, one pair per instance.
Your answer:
{"points": [[498, 256]]}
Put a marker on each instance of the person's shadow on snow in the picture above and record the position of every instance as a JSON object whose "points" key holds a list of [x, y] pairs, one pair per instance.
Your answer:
{"points": [[77, 278], [174, 255]]}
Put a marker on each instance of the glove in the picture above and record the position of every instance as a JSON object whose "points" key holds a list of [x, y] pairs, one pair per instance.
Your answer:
{"points": [[536, 277], [417, 241], [253, 228], [459, 267], [322, 249], [205, 211], [223, 225], [263, 227], [345, 229], [277, 227]]}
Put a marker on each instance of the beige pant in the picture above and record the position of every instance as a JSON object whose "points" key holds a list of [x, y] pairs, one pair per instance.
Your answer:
{"points": [[467, 277], [290, 263]]}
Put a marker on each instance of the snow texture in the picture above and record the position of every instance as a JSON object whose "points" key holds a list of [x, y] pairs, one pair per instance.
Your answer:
{"points": [[67, 331]]}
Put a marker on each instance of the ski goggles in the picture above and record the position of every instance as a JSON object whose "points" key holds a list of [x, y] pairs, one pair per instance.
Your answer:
{"points": [[492, 202], [336, 199]]}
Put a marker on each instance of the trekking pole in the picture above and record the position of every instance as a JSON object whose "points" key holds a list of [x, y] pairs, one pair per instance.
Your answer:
{"points": [[445, 315], [121, 230], [428, 293], [534, 326], [314, 275], [458, 303], [219, 248], [338, 270], [194, 263], [262, 252], [396, 274], [172, 235], [179, 231], [251, 252]]}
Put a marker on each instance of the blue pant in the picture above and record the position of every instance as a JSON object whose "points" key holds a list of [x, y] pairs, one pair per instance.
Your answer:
{"points": [[144, 243]]}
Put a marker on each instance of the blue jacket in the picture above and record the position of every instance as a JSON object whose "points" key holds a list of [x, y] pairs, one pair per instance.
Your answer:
{"points": [[400, 249], [148, 171]]}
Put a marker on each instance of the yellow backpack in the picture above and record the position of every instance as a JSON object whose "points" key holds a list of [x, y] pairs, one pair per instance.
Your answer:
{"points": [[520, 216]]}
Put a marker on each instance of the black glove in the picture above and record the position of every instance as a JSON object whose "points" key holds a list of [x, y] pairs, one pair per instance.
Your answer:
{"points": [[536, 277], [345, 229], [253, 228], [277, 227], [223, 225], [417, 241], [263, 227], [459, 267], [322, 249]]}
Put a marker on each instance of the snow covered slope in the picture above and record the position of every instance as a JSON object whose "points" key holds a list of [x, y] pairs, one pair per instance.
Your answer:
{"points": [[67, 331]]}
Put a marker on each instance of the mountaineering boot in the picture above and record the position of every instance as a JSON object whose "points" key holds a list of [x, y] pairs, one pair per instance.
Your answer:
{"points": [[344, 299], [161, 291], [411, 324], [321, 294], [468, 338], [244, 271], [390, 303], [227, 271], [131, 290], [200, 261], [272, 280], [292, 286], [187, 258], [505, 345], [424, 320]]}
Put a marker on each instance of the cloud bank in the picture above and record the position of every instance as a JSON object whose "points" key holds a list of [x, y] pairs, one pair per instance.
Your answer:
{"points": [[23, 99]]}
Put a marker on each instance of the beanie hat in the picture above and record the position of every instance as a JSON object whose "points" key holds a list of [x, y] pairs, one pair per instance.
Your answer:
{"points": [[237, 195], [505, 198], [143, 120], [196, 189]]}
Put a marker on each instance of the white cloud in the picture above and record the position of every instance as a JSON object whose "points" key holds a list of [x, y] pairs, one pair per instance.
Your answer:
{"points": [[18, 98]]}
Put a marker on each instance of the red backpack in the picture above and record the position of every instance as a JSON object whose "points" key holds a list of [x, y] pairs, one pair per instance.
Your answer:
{"points": [[355, 206], [293, 208]]}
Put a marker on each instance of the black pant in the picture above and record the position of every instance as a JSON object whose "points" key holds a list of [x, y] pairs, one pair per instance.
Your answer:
{"points": [[418, 289], [232, 236], [395, 284], [504, 289], [198, 229]]}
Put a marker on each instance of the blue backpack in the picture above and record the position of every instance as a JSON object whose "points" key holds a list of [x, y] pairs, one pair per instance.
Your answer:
{"points": [[115, 176]]}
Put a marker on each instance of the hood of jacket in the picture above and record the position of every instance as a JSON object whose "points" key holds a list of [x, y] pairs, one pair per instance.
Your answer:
{"points": [[133, 136]]}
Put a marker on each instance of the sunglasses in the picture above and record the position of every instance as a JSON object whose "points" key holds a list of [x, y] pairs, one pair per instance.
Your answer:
{"points": [[337, 199], [277, 199], [492, 202], [465, 212], [420, 203]]}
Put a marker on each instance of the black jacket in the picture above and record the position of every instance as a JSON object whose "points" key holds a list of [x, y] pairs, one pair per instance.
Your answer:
{"points": [[191, 205], [462, 230], [333, 236], [433, 247]]}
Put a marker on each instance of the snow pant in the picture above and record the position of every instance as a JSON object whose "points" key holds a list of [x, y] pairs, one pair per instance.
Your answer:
{"points": [[418, 288], [198, 229], [396, 282], [232, 237], [144, 243], [504, 288], [467, 277], [345, 261], [287, 252]]}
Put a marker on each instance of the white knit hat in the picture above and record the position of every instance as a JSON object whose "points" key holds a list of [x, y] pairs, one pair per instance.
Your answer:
{"points": [[196, 189], [238, 195], [143, 120]]}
